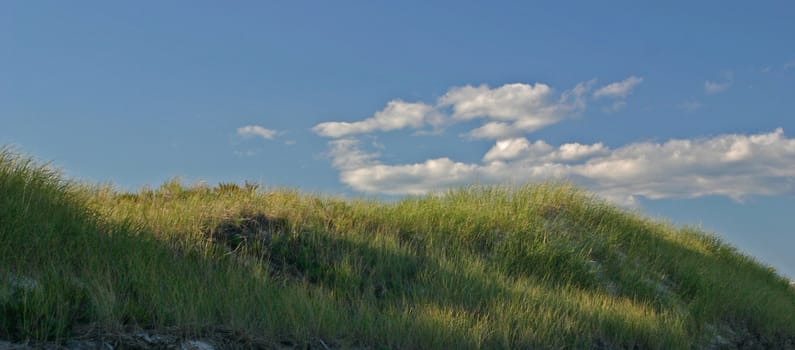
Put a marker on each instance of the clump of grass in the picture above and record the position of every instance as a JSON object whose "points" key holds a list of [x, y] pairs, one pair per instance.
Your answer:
{"points": [[535, 266]]}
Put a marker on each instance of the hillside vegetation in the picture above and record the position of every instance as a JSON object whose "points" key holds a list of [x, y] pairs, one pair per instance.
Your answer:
{"points": [[536, 266]]}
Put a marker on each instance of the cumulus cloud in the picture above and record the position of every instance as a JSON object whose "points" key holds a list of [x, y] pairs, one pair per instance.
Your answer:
{"points": [[574, 151], [508, 102], [540, 151], [256, 131], [620, 89], [412, 179], [396, 115], [513, 148], [730, 165], [714, 87], [513, 109], [507, 110]]}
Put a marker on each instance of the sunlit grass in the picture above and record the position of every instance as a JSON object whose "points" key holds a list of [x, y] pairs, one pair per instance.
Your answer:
{"points": [[541, 265]]}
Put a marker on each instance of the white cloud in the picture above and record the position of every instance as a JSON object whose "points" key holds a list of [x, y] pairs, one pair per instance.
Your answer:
{"points": [[493, 130], [521, 148], [620, 89], [256, 131], [508, 110], [346, 154], [726, 165], [513, 109], [513, 148], [617, 91], [411, 178], [508, 102], [789, 65], [574, 151], [396, 115], [714, 87]]}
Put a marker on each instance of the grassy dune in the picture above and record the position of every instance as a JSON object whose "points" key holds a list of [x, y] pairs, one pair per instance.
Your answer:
{"points": [[536, 266]]}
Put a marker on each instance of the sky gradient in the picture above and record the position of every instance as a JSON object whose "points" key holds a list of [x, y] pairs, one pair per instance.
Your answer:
{"points": [[678, 110]]}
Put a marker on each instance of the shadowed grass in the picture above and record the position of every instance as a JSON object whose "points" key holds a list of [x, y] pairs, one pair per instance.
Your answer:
{"points": [[541, 265]]}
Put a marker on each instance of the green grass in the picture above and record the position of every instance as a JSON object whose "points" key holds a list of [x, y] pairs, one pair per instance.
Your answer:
{"points": [[535, 266]]}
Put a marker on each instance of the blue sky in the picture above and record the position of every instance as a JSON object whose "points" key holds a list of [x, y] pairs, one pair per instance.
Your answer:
{"points": [[680, 110]]}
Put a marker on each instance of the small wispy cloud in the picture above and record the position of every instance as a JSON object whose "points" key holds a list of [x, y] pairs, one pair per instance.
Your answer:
{"points": [[346, 153], [620, 89], [789, 65], [615, 107], [714, 87], [618, 92], [690, 106], [245, 153], [257, 131], [711, 87]]}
